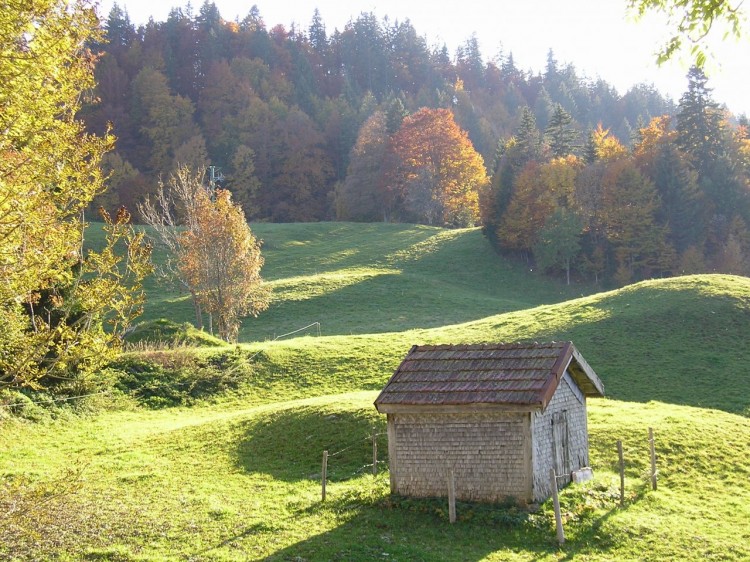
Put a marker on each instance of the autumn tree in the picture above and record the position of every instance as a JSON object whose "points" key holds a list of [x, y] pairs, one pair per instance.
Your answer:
{"points": [[437, 172], [221, 259], [170, 210], [164, 119], [242, 180], [539, 190], [63, 309], [630, 203], [605, 145], [211, 251], [528, 210]]}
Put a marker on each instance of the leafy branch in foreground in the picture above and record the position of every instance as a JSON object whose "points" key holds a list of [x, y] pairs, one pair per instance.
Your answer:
{"points": [[691, 22], [61, 313]]}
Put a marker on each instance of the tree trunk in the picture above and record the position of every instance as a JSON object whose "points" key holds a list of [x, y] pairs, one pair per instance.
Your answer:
{"points": [[198, 312]]}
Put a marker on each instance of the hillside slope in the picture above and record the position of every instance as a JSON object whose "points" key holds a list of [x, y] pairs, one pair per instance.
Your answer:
{"points": [[370, 278], [679, 340], [239, 478]]}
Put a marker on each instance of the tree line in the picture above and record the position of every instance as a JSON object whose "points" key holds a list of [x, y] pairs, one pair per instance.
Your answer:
{"points": [[677, 201], [280, 110]]}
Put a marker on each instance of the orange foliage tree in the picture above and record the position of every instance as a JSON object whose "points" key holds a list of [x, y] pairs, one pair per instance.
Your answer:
{"points": [[538, 191], [437, 173], [221, 259]]}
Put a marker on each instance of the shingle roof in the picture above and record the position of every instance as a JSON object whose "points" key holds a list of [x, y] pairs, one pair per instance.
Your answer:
{"points": [[519, 374]]}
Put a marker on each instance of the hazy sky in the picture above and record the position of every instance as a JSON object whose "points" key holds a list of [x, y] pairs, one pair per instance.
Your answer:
{"points": [[597, 36]]}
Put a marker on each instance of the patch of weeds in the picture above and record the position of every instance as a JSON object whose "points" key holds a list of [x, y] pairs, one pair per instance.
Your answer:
{"points": [[179, 377], [19, 405]]}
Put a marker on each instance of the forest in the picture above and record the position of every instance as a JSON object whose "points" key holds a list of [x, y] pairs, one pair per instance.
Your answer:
{"points": [[370, 123]]}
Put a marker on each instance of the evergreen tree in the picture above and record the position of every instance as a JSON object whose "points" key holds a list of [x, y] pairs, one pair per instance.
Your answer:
{"points": [[317, 33], [561, 136], [395, 114], [703, 134], [559, 241], [699, 123], [589, 148], [528, 138], [119, 31], [543, 108]]}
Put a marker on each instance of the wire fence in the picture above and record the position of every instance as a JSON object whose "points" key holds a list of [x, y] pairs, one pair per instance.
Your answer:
{"points": [[335, 469]]}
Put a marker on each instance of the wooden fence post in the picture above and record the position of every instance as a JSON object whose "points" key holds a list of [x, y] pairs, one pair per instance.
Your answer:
{"points": [[451, 497], [374, 452], [622, 473], [653, 457], [324, 475], [556, 503]]}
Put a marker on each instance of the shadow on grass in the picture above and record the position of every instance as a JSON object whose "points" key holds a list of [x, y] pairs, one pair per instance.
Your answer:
{"points": [[415, 530], [289, 444], [418, 530], [386, 303]]}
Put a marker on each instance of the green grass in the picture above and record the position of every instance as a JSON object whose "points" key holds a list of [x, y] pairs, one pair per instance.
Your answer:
{"points": [[243, 483], [236, 475], [363, 279]]}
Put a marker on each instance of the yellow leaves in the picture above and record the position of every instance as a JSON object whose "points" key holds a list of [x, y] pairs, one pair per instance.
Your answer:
{"points": [[53, 302], [559, 176], [607, 147], [221, 261]]}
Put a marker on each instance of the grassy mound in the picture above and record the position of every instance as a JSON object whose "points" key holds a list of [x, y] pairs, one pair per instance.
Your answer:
{"points": [[163, 333]]}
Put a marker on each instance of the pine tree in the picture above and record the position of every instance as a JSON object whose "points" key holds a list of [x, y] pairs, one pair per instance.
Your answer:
{"points": [[528, 138], [560, 135], [699, 123], [559, 241]]}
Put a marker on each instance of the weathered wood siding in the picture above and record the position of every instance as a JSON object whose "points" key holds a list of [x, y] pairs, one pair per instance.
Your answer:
{"points": [[490, 455], [559, 437]]}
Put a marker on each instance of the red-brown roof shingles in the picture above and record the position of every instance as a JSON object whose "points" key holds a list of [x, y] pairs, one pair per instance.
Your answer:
{"points": [[513, 374]]}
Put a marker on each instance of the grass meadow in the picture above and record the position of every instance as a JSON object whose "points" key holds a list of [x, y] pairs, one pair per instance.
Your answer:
{"points": [[214, 452]]}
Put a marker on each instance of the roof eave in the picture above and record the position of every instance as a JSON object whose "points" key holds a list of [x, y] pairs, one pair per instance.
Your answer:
{"points": [[474, 407], [592, 386]]}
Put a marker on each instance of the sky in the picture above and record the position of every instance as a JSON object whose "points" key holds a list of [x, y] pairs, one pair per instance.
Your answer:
{"points": [[599, 37]]}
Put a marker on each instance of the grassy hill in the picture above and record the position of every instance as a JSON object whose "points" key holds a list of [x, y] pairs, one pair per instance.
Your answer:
{"points": [[235, 477], [364, 278]]}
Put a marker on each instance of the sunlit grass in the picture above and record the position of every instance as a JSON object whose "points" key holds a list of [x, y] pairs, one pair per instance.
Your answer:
{"points": [[243, 483], [236, 477]]}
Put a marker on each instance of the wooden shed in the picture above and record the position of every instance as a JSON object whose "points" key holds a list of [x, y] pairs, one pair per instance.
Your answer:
{"points": [[498, 415]]}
